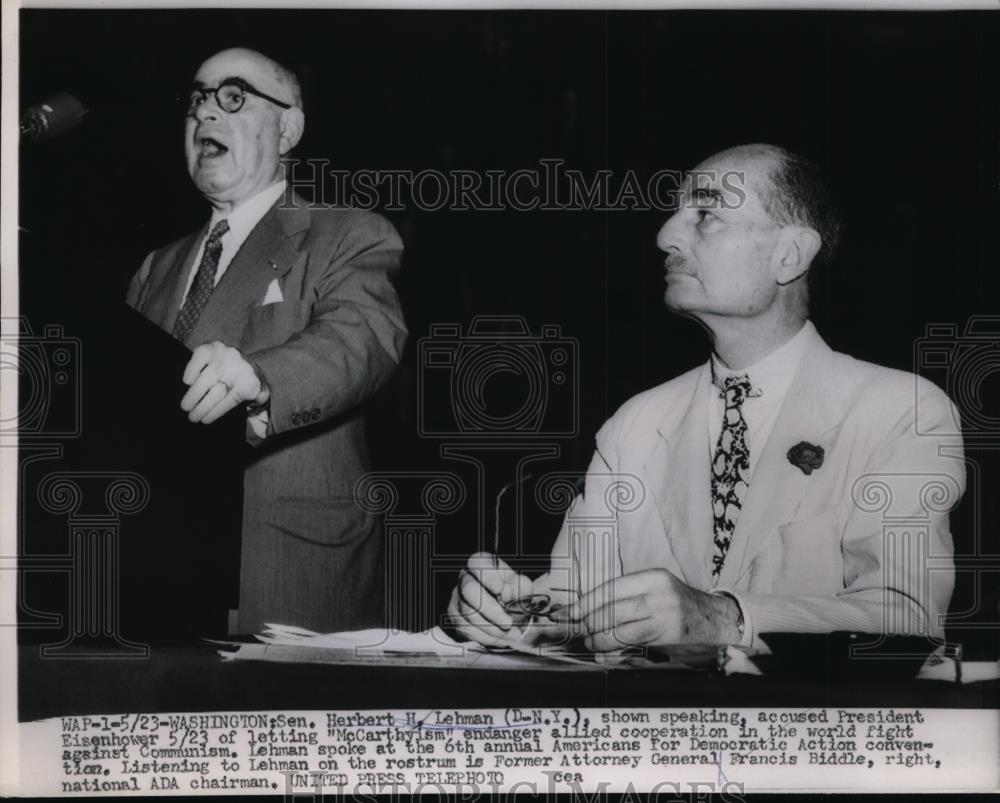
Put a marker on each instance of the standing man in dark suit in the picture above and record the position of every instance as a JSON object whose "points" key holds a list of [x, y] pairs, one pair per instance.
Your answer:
{"points": [[290, 311]]}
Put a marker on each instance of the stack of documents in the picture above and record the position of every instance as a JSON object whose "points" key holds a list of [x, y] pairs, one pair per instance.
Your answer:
{"points": [[431, 648]]}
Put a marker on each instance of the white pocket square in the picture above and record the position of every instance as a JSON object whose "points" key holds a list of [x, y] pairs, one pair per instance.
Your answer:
{"points": [[273, 295]]}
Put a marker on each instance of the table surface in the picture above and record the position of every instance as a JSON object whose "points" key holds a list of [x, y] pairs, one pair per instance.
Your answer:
{"points": [[196, 678]]}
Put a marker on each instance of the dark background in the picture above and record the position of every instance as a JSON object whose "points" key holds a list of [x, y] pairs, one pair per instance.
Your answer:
{"points": [[899, 108]]}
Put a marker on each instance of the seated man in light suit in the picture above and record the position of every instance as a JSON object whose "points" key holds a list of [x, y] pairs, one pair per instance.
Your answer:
{"points": [[749, 495], [289, 310]]}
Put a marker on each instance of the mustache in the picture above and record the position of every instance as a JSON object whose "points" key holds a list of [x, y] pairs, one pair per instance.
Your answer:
{"points": [[675, 263]]}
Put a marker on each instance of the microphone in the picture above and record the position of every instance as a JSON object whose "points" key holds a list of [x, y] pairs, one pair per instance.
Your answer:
{"points": [[53, 116]]}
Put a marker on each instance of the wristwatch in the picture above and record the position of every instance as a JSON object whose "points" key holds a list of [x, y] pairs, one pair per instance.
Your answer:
{"points": [[256, 409]]}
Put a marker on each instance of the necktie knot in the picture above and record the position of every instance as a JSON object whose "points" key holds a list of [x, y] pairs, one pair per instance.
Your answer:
{"points": [[736, 389], [216, 234]]}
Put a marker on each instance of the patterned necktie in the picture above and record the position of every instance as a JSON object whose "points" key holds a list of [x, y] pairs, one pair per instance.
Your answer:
{"points": [[730, 469], [203, 284]]}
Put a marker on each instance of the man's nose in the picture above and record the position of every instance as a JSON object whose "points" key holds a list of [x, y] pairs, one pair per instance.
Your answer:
{"points": [[207, 110], [670, 235]]}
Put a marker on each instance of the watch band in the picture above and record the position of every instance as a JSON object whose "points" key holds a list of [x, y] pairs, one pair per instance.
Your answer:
{"points": [[256, 409]]}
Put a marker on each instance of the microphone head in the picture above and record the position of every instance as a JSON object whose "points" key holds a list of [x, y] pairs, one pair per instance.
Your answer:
{"points": [[55, 115]]}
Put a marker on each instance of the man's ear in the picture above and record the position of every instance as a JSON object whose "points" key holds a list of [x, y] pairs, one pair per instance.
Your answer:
{"points": [[798, 248], [293, 124]]}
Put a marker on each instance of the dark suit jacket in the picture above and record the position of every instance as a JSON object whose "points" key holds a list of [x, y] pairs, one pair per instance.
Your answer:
{"points": [[310, 556]]}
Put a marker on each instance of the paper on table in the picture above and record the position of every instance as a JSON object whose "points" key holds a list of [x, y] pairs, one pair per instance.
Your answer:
{"points": [[380, 641], [287, 643], [367, 642], [431, 648]]}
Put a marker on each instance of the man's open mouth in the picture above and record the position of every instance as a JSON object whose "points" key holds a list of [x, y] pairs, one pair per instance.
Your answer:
{"points": [[211, 148]]}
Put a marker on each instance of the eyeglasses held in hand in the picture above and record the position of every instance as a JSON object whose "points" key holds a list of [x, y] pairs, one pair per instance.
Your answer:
{"points": [[231, 94], [533, 605]]}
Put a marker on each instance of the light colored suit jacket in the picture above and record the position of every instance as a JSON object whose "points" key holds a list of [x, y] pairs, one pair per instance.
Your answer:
{"points": [[861, 543], [309, 556]]}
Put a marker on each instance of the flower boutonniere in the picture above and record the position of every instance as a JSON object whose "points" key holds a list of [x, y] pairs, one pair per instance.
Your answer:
{"points": [[806, 456]]}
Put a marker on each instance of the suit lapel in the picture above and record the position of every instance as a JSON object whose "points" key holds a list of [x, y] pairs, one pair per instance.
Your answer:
{"points": [[267, 254], [809, 413], [679, 479], [165, 298]]}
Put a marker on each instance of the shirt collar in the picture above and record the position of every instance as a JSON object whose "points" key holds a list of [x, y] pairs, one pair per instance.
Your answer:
{"points": [[244, 217], [771, 376]]}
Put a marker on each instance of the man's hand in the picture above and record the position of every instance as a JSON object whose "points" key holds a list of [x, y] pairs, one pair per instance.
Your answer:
{"points": [[476, 607], [220, 379], [654, 608]]}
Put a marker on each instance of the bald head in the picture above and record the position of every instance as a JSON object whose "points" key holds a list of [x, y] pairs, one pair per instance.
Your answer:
{"points": [[757, 161], [791, 188], [281, 81]]}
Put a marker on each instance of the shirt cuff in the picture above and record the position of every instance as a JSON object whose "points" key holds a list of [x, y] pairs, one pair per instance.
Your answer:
{"points": [[259, 422], [748, 632]]}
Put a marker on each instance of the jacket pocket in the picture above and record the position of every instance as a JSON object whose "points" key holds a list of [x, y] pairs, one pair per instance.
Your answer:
{"points": [[273, 324]]}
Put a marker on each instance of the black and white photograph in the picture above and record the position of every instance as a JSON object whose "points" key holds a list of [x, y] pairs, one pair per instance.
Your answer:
{"points": [[479, 400]]}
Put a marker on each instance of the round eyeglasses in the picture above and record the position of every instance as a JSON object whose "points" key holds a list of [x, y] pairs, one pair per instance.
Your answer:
{"points": [[230, 95]]}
